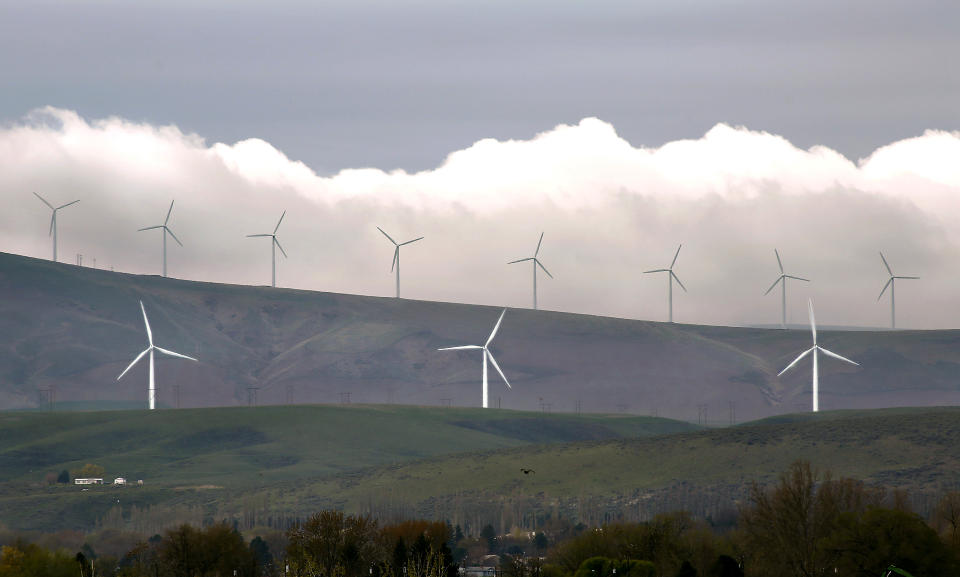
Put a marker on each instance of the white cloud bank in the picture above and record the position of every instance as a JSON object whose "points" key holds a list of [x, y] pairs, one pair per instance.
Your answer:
{"points": [[609, 209]]}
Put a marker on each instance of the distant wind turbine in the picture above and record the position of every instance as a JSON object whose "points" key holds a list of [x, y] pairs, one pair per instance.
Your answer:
{"points": [[783, 289], [53, 221], [891, 284], [274, 245], [814, 349], [150, 349], [486, 355], [536, 263], [166, 231], [396, 255], [671, 276]]}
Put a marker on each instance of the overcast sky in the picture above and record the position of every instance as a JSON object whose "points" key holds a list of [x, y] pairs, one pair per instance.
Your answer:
{"points": [[826, 129]]}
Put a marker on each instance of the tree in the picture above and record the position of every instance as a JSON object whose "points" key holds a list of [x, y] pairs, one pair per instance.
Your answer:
{"points": [[89, 471], [489, 534], [64, 476], [329, 544]]}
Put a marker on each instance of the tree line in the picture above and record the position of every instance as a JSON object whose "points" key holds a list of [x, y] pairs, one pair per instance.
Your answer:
{"points": [[808, 524]]}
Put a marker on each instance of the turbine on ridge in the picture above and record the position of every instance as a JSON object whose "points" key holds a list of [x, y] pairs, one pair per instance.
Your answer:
{"points": [[671, 276], [486, 355], [166, 231], [814, 349], [396, 255], [536, 263], [274, 245], [782, 279], [152, 347], [890, 283], [53, 221]]}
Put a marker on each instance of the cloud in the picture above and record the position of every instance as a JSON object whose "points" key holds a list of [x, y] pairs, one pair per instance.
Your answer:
{"points": [[609, 210]]}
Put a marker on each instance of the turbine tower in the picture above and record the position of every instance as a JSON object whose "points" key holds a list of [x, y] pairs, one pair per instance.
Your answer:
{"points": [[891, 284], [783, 289], [396, 255], [814, 349], [166, 230], [486, 355], [671, 276], [152, 347], [274, 245], [536, 263], [53, 221]]}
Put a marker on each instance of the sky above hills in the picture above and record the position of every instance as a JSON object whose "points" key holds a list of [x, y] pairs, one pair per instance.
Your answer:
{"points": [[621, 129]]}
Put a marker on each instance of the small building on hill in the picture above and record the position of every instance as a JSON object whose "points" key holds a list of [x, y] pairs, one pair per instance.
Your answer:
{"points": [[88, 481], [119, 481]]}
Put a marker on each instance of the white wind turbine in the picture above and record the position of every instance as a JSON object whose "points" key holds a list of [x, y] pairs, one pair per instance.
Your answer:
{"points": [[150, 349], [486, 355], [890, 283], [274, 245], [166, 230], [396, 255], [814, 349], [671, 276], [783, 289], [536, 263], [53, 221]]}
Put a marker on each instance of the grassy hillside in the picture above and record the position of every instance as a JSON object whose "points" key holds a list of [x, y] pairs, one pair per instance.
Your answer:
{"points": [[229, 453], [74, 329]]}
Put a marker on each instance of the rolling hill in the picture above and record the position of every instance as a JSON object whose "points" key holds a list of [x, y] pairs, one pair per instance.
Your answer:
{"points": [[66, 332]]}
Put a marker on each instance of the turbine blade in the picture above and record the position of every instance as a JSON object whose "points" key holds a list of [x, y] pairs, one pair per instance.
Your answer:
{"points": [[463, 348], [656, 270], [409, 241], [676, 278], [521, 260], [173, 235], [836, 356], [890, 280], [796, 360], [44, 201], [496, 327], [276, 228], [779, 278], [908, 277], [147, 323], [173, 354], [675, 256], [496, 366], [539, 242], [248, 236], [813, 321], [885, 263], [779, 264], [797, 278], [387, 235], [283, 252], [540, 264], [53, 222], [396, 256], [68, 204], [169, 210], [149, 227], [130, 366]]}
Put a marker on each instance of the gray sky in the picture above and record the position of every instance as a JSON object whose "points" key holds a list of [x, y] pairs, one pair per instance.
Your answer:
{"points": [[620, 129], [402, 84]]}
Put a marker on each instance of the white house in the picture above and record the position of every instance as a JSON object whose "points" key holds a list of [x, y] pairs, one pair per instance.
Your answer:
{"points": [[119, 481], [90, 481]]}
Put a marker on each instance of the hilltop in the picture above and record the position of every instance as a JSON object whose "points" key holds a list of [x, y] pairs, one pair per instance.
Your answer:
{"points": [[73, 330]]}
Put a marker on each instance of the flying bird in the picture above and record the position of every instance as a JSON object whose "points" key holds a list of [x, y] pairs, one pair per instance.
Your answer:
{"points": [[528, 471]]}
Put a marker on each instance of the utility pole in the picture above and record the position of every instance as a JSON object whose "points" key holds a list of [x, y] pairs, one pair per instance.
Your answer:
{"points": [[176, 389], [345, 398], [446, 402], [289, 394], [252, 396], [733, 413]]}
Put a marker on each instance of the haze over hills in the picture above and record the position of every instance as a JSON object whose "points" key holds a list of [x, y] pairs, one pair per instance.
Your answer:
{"points": [[75, 329]]}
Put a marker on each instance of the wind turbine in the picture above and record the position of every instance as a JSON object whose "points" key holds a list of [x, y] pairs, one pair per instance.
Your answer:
{"points": [[486, 355], [783, 289], [53, 221], [274, 245], [396, 255], [150, 349], [166, 230], [890, 283], [670, 278], [536, 263], [814, 349]]}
